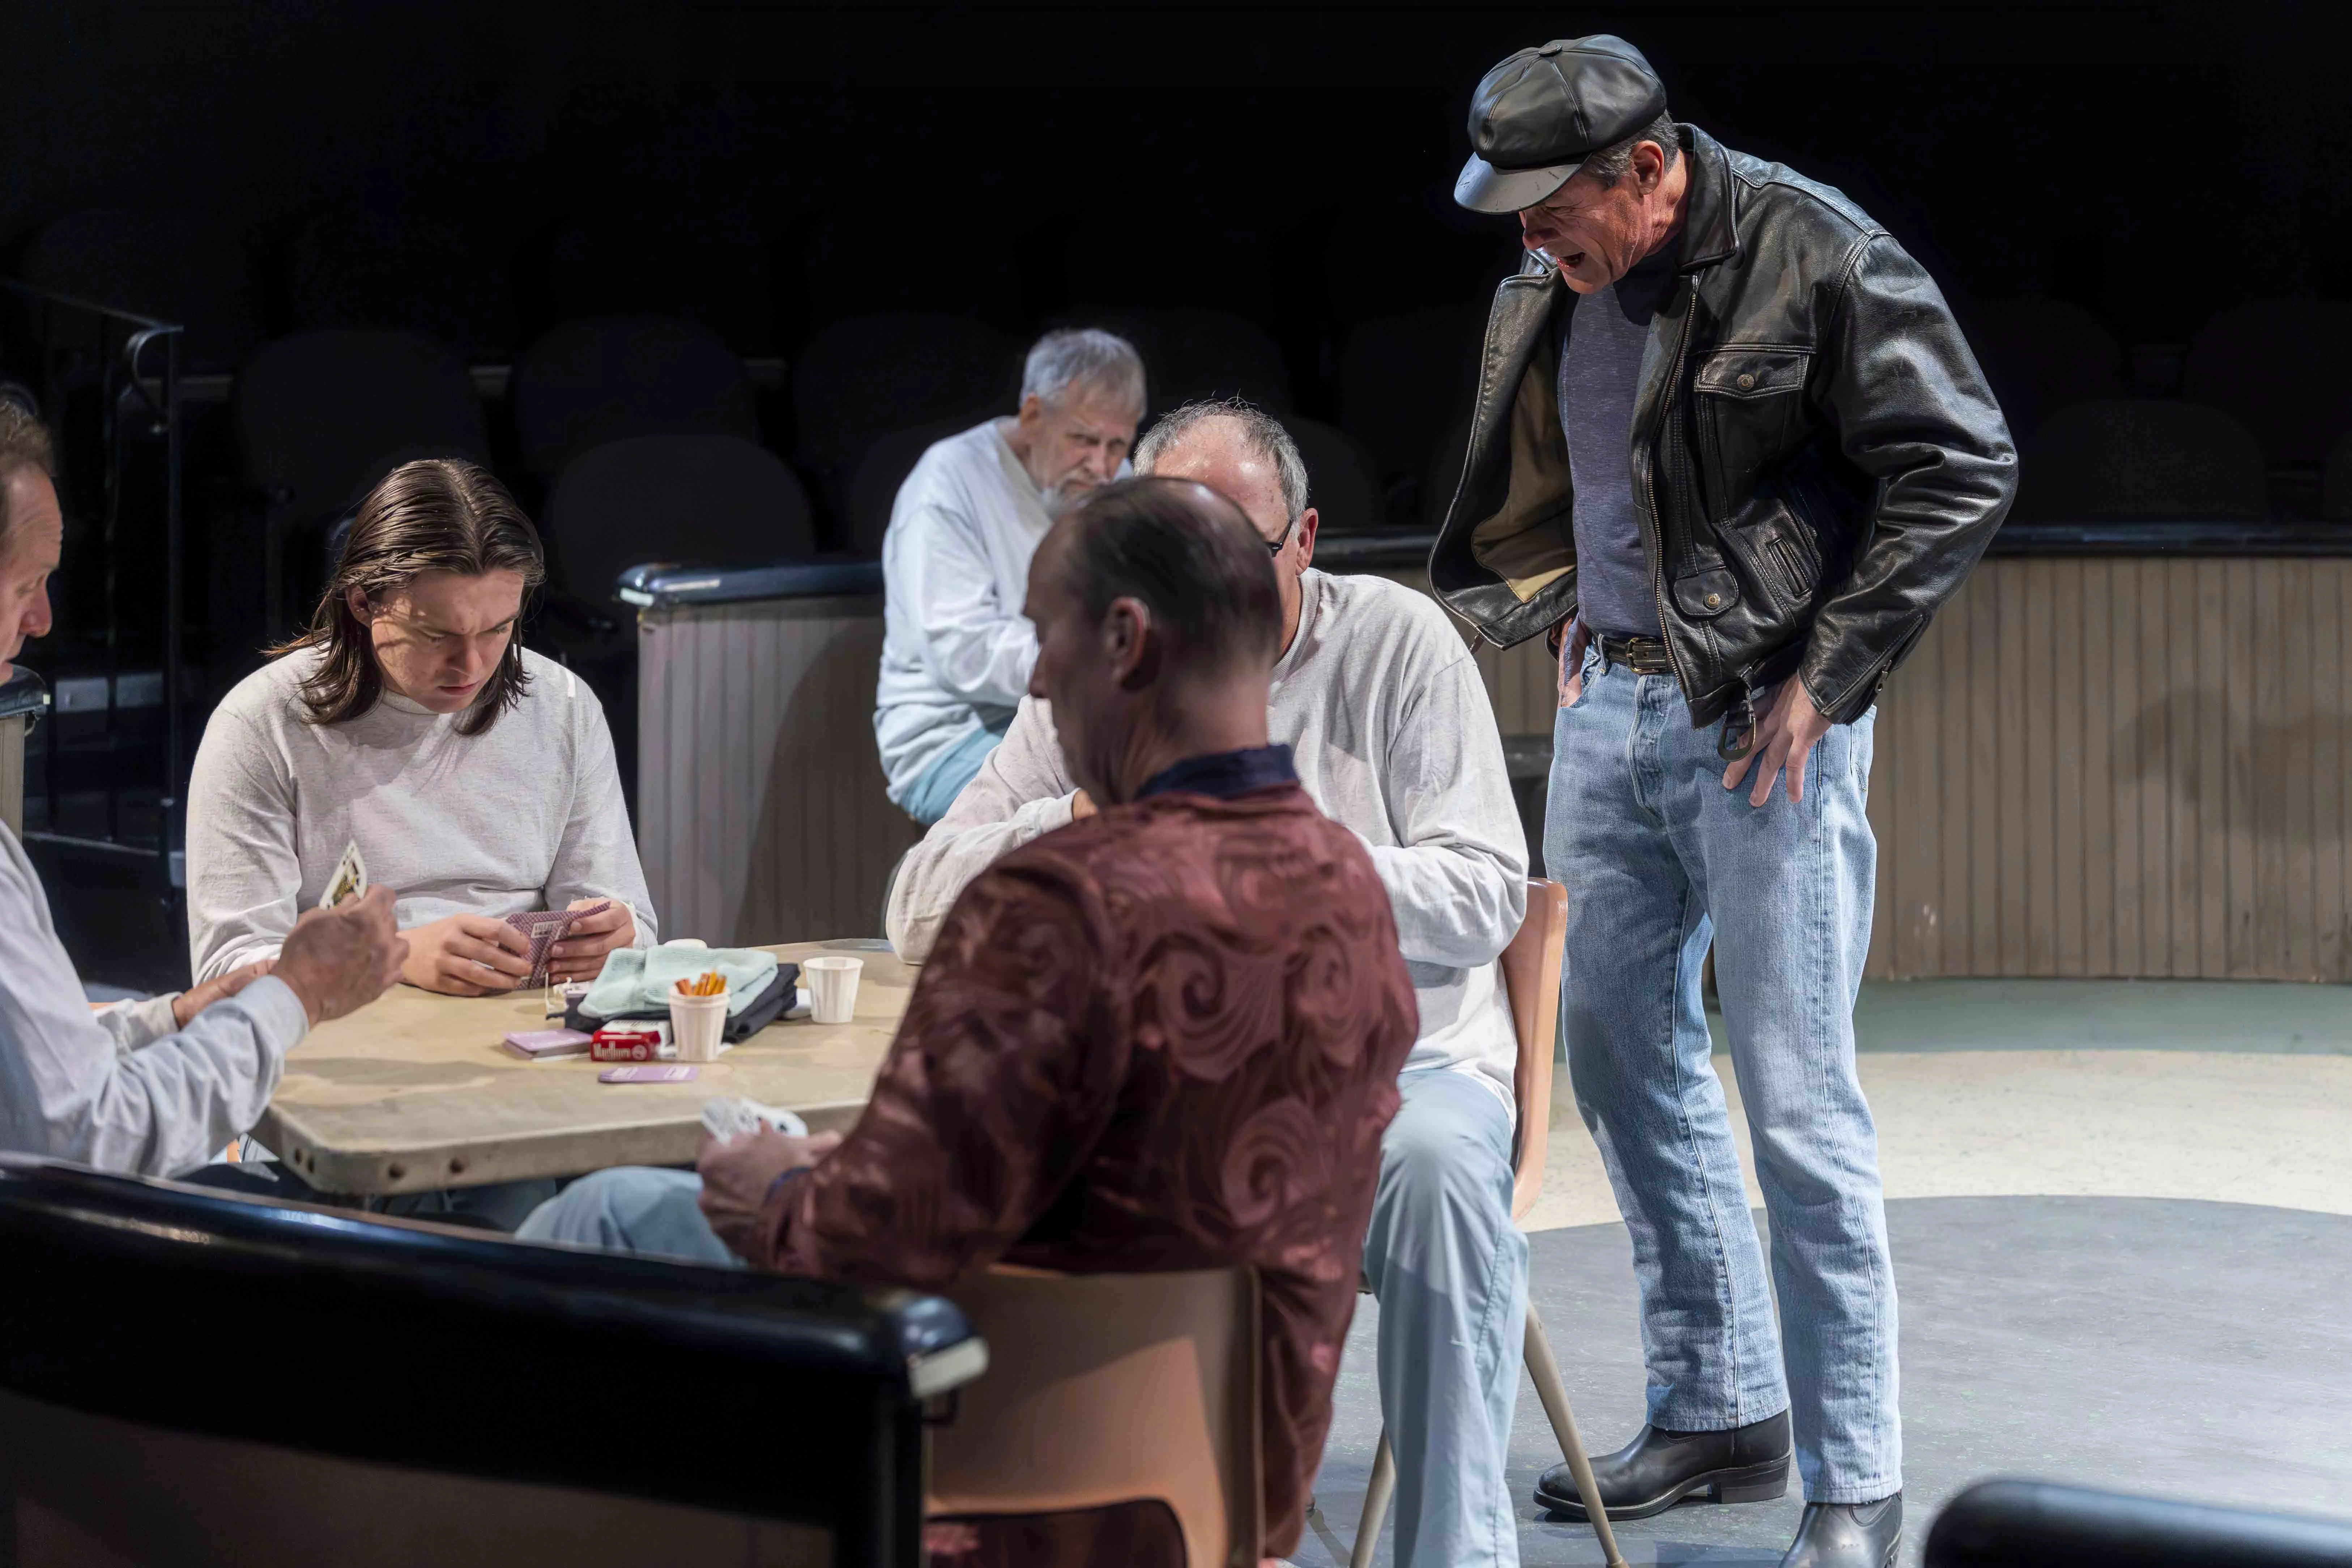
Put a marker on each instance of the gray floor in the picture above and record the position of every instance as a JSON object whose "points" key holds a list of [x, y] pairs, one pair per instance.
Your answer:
{"points": [[2090, 1015], [2176, 1348]]}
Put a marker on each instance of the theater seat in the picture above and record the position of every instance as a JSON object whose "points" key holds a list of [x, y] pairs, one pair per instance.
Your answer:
{"points": [[2036, 1524], [1341, 484], [321, 416], [858, 380], [704, 500], [650, 258], [2278, 367], [1189, 355], [2141, 459], [877, 474], [592, 382], [188, 1376], [2042, 355], [1404, 381], [421, 267], [173, 265]]}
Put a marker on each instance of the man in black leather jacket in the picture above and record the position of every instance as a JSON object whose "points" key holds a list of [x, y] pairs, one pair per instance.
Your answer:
{"points": [[1731, 452]]}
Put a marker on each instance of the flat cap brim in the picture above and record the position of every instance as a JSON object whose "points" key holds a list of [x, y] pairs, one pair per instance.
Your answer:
{"points": [[1484, 189]]}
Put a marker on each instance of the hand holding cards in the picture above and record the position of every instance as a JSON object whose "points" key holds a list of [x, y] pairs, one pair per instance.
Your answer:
{"points": [[545, 927]]}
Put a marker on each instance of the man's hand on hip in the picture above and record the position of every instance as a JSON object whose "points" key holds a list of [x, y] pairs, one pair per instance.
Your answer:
{"points": [[1784, 741]]}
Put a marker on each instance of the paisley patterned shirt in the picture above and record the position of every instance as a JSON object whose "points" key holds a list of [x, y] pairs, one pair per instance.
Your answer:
{"points": [[1166, 1037]]}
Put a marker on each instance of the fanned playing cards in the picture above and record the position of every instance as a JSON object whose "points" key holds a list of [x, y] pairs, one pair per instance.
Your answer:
{"points": [[545, 927]]}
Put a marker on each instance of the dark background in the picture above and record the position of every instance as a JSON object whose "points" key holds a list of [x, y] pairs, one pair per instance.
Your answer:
{"points": [[2156, 162]]}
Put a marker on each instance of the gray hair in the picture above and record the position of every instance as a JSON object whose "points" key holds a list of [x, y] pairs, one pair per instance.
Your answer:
{"points": [[24, 443], [1609, 164], [1262, 430], [1083, 357]]}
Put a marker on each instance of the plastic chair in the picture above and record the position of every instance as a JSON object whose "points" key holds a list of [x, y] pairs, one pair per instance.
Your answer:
{"points": [[327, 1387], [1072, 1360], [1531, 975]]}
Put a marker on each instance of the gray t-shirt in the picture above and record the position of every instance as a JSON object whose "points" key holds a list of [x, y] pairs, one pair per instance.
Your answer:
{"points": [[1600, 374]]}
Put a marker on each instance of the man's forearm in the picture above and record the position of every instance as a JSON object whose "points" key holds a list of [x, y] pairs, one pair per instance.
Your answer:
{"points": [[940, 868]]}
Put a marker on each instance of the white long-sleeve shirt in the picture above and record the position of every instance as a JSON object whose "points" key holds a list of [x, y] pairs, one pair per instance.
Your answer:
{"points": [[124, 1088], [1393, 737], [527, 814], [955, 649]]}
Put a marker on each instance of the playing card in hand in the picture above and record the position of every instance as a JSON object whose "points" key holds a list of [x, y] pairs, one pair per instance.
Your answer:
{"points": [[545, 927], [349, 879]]}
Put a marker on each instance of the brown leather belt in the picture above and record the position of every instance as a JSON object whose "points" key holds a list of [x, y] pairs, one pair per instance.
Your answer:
{"points": [[1643, 655]]}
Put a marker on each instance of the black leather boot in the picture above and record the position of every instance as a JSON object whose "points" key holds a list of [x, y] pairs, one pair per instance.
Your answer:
{"points": [[1847, 1534], [1660, 1468]]}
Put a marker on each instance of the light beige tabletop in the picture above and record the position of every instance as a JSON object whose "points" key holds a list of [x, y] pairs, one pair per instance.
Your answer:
{"points": [[414, 1091]]}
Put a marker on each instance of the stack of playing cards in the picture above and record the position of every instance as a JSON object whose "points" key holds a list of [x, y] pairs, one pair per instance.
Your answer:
{"points": [[727, 1120], [349, 879], [545, 927]]}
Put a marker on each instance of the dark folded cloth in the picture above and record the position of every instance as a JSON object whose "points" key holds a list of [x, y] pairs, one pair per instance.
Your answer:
{"points": [[766, 1007]]}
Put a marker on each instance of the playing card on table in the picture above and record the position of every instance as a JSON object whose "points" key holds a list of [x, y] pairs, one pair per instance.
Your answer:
{"points": [[730, 1118], [545, 927], [349, 879]]}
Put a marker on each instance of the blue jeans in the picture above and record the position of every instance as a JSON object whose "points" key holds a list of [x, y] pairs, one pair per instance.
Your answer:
{"points": [[1449, 1266], [1658, 858], [937, 788], [1450, 1270], [633, 1208]]}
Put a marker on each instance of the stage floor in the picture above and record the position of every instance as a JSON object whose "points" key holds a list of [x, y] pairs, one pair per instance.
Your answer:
{"points": [[2122, 1223], [2177, 1348]]}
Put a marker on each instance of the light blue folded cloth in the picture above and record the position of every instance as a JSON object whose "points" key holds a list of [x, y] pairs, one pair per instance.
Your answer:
{"points": [[639, 979]]}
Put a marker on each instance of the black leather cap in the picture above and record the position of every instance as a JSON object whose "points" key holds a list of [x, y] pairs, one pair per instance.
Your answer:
{"points": [[1539, 114]]}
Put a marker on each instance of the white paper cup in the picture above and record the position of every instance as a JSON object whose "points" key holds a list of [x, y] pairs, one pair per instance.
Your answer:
{"points": [[697, 1023], [832, 987]]}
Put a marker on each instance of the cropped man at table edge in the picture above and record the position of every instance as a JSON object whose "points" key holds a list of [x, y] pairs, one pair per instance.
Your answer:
{"points": [[477, 778], [1394, 738], [151, 1087], [1166, 1037]]}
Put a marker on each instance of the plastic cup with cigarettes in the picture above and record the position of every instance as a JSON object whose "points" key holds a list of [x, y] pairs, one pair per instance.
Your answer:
{"points": [[697, 1016], [833, 987]]}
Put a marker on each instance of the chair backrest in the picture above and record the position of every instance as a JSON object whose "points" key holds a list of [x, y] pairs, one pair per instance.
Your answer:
{"points": [[2035, 1525], [1110, 1388], [1189, 355], [187, 1376], [2277, 366], [857, 380], [420, 266], [2141, 459], [323, 415], [1532, 973], [1342, 483], [875, 478], [592, 382], [709, 500], [666, 256], [2042, 355]]}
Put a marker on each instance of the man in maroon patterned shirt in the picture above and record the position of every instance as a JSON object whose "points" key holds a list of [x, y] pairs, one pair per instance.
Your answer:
{"points": [[1164, 1037]]}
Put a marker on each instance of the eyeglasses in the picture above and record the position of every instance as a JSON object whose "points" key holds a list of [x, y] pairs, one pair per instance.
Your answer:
{"points": [[1273, 547]]}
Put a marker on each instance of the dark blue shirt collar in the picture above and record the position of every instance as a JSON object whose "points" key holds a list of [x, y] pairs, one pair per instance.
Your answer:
{"points": [[1223, 774]]}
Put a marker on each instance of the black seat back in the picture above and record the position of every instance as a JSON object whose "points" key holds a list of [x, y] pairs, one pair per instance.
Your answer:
{"points": [[2278, 367], [858, 380], [703, 500], [323, 416], [2142, 459], [592, 382], [256, 1351], [1341, 484], [2033, 1524]]}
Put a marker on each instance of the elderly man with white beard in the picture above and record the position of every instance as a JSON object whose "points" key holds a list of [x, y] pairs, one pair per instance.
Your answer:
{"points": [[956, 649], [1392, 735]]}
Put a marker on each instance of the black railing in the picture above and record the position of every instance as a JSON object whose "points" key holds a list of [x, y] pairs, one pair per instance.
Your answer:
{"points": [[104, 782]]}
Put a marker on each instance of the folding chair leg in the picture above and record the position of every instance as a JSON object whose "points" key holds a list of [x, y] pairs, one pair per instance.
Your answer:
{"points": [[1376, 1503], [1544, 1370]]}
